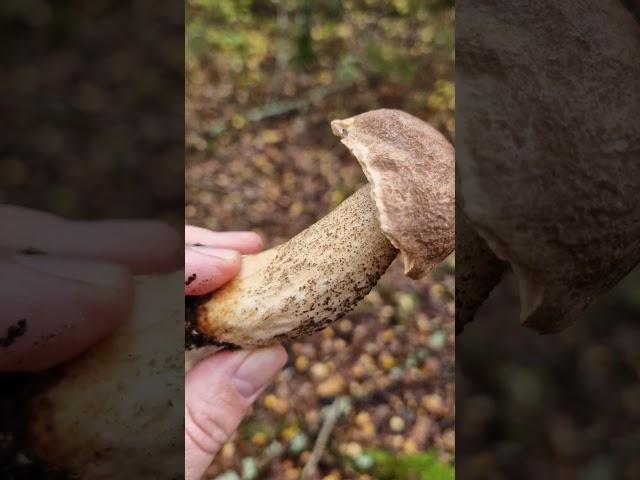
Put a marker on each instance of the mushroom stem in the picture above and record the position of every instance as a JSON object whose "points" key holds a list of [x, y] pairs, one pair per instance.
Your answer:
{"points": [[117, 411], [300, 286]]}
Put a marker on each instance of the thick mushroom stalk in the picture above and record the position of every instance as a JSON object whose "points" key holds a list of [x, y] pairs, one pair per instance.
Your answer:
{"points": [[301, 286], [117, 410], [316, 276]]}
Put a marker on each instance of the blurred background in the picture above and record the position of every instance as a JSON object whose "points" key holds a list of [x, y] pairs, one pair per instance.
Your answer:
{"points": [[92, 110], [564, 406], [263, 80], [78, 80]]}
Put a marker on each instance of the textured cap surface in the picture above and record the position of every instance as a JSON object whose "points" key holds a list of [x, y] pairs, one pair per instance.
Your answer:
{"points": [[549, 162], [410, 167]]}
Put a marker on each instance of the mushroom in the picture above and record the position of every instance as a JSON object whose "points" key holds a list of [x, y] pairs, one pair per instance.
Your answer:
{"points": [[304, 284], [117, 411], [548, 161]]}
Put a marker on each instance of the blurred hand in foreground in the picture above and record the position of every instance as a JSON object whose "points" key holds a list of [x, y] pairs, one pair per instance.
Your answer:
{"points": [[220, 389], [64, 285]]}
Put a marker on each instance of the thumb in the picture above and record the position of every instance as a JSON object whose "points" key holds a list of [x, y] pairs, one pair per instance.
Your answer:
{"points": [[218, 393]]}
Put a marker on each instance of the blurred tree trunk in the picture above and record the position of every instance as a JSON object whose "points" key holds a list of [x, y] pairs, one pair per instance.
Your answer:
{"points": [[305, 54]]}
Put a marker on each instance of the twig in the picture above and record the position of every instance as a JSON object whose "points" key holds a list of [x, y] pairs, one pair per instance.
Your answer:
{"points": [[323, 437], [276, 109]]}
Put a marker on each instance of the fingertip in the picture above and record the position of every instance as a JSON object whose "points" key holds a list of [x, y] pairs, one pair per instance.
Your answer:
{"points": [[166, 256], [270, 360], [66, 306], [280, 354], [254, 243], [207, 269], [223, 363], [242, 241]]}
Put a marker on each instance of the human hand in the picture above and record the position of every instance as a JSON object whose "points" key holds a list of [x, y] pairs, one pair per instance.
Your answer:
{"points": [[220, 389], [67, 284]]}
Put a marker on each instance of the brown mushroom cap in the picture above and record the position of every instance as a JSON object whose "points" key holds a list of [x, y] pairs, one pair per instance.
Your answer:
{"points": [[410, 167], [548, 159]]}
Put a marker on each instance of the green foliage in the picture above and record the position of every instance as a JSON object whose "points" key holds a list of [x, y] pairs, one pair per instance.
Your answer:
{"points": [[260, 52], [228, 11], [220, 25], [399, 40], [420, 466], [305, 54], [389, 61], [348, 69]]}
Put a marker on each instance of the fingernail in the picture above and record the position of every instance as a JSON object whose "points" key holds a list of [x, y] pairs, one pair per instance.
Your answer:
{"points": [[217, 252], [97, 274], [257, 370]]}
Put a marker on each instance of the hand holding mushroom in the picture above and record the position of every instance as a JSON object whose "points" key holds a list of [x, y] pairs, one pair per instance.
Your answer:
{"points": [[323, 272], [221, 388], [301, 286]]}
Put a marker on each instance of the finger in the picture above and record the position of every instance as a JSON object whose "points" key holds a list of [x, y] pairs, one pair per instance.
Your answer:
{"points": [[144, 246], [207, 269], [244, 242], [53, 308], [218, 392]]}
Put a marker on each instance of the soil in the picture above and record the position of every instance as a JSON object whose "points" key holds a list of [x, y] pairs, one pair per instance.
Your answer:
{"points": [[17, 462], [14, 332], [192, 337]]}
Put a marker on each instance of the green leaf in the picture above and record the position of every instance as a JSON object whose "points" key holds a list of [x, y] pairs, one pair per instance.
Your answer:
{"points": [[421, 466]]}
